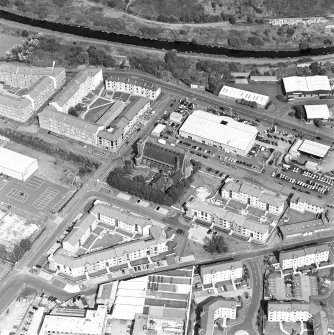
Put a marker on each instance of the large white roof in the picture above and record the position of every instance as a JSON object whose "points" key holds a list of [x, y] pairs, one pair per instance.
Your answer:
{"points": [[209, 126], [236, 93], [314, 148], [317, 111], [306, 84], [14, 161]]}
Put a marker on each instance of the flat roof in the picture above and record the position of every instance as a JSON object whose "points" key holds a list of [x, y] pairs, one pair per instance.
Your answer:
{"points": [[237, 93], [15, 161], [219, 129], [176, 117], [314, 148], [317, 111], [93, 323], [159, 128], [306, 84]]}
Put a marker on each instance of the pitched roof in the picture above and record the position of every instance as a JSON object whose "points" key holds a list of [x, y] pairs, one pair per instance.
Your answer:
{"points": [[162, 154], [133, 81], [208, 269], [111, 114], [293, 254]]}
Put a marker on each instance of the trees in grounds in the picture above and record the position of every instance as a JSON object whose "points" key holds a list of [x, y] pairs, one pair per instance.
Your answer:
{"points": [[215, 244]]}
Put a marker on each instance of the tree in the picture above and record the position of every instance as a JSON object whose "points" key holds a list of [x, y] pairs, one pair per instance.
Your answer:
{"points": [[109, 61], [4, 3], [25, 244], [281, 98], [233, 42], [300, 112], [215, 245], [232, 19], [318, 123], [16, 254], [304, 45]]}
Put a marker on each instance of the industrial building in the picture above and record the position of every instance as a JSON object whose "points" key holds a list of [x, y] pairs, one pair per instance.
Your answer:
{"points": [[73, 93], [307, 147], [317, 112], [219, 131], [238, 94], [92, 322], [302, 87], [132, 86], [16, 165], [38, 84]]}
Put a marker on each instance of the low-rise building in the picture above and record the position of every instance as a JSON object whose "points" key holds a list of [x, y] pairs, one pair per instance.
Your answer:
{"points": [[218, 309], [303, 229], [290, 311], [238, 94], [304, 87], [73, 93], [304, 203], [122, 220], [217, 273], [317, 112], [232, 222], [93, 322], [132, 86], [304, 257], [254, 196]]}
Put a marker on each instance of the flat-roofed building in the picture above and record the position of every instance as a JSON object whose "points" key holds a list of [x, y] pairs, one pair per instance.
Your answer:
{"points": [[240, 74], [232, 222], [217, 309], [263, 79], [306, 203], [73, 93], [132, 86], [315, 149], [300, 87], [254, 196], [176, 117], [16, 165], [317, 112], [304, 256], [92, 323], [158, 129], [219, 131], [217, 273], [301, 229], [238, 94]]}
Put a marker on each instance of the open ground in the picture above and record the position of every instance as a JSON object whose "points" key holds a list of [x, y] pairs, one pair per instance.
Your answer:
{"points": [[7, 42]]}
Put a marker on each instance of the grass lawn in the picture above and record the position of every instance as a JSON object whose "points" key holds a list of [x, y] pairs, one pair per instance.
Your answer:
{"points": [[207, 180], [52, 169], [96, 113], [107, 241], [7, 42]]}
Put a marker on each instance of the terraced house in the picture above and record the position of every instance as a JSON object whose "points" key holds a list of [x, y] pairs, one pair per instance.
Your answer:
{"points": [[254, 196], [132, 86]]}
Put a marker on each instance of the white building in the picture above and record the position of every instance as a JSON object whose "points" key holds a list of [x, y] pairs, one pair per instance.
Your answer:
{"points": [[307, 147], [217, 309], [132, 86], [317, 112], [254, 196], [304, 257], [237, 94], [303, 203], [176, 117], [301, 87], [232, 222], [92, 323], [212, 274], [289, 312], [219, 131], [123, 220], [73, 93], [158, 129], [80, 233], [16, 165]]}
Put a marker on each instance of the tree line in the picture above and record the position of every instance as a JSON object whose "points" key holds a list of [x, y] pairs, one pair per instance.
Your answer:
{"points": [[17, 252]]}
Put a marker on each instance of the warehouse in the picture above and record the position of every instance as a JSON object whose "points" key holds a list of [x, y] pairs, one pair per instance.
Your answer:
{"points": [[300, 87], [219, 131], [317, 112], [314, 148], [16, 165], [237, 94]]}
